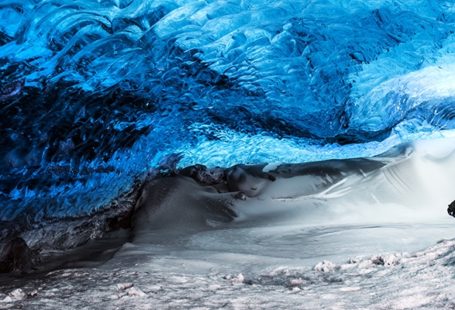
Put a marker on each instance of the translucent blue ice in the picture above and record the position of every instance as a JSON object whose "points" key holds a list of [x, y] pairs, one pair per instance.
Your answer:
{"points": [[95, 92]]}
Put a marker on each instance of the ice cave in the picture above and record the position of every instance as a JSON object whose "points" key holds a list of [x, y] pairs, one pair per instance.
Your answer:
{"points": [[238, 154]]}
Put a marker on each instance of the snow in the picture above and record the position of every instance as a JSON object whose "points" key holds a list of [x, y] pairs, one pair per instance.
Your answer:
{"points": [[421, 280], [350, 238]]}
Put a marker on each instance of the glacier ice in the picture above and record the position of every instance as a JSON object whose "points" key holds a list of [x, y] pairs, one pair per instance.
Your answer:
{"points": [[95, 92]]}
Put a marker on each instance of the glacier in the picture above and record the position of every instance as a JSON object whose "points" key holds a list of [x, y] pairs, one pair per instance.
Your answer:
{"points": [[95, 93], [227, 154]]}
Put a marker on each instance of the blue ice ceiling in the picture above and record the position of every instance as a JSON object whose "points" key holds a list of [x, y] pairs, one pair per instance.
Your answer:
{"points": [[93, 93]]}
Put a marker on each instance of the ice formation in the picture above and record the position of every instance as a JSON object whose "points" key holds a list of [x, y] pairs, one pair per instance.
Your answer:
{"points": [[95, 92], [98, 97]]}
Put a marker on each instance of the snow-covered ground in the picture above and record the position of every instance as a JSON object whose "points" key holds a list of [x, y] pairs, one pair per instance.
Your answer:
{"points": [[344, 235], [424, 280]]}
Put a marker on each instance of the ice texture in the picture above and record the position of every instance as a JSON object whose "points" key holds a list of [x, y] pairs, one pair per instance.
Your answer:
{"points": [[423, 280], [340, 234], [95, 92]]}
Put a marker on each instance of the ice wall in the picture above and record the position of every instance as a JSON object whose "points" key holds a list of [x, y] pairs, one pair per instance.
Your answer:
{"points": [[92, 93]]}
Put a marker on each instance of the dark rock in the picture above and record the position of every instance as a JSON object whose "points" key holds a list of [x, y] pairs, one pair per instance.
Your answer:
{"points": [[451, 209], [121, 221], [378, 261], [16, 256]]}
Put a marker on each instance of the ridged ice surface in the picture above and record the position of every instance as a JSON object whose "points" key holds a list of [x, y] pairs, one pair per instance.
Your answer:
{"points": [[93, 93]]}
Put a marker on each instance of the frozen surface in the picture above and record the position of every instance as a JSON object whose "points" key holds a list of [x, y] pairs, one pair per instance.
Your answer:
{"points": [[375, 236], [423, 280]]}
